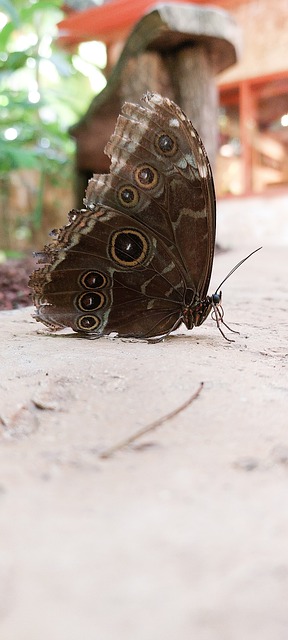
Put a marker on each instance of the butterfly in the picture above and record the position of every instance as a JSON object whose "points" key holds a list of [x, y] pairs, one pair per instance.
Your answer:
{"points": [[137, 260]]}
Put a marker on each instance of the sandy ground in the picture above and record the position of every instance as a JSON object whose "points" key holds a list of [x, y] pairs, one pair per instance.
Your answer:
{"points": [[184, 534]]}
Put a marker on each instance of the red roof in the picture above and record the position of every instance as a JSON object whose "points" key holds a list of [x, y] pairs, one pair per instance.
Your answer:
{"points": [[112, 20]]}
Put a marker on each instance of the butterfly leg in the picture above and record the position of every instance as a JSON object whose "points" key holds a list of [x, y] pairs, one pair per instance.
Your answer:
{"points": [[217, 315]]}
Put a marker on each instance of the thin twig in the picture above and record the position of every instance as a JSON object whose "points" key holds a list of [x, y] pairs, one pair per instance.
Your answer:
{"points": [[107, 453], [3, 422]]}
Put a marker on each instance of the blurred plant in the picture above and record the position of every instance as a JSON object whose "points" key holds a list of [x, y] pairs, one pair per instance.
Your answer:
{"points": [[42, 92]]}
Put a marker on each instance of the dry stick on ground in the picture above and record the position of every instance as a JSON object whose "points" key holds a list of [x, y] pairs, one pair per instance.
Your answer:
{"points": [[107, 453]]}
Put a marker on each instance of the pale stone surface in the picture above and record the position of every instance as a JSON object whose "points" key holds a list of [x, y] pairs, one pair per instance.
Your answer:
{"points": [[257, 220], [185, 538], [264, 39]]}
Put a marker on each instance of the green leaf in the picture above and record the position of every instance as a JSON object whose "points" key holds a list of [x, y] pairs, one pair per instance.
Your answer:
{"points": [[5, 34], [16, 60], [41, 6], [14, 157]]}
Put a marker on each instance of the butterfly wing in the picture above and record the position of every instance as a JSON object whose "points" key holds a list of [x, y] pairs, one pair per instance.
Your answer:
{"points": [[103, 274], [125, 262]]}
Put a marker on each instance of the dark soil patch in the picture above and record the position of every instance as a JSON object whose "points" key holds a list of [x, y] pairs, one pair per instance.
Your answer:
{"points": [[14, 290]]}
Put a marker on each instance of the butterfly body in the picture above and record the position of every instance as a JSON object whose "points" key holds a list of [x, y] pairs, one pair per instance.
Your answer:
{"points": [[137, 260]]}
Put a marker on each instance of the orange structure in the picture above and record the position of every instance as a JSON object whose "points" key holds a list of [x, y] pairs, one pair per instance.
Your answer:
{"points": [[113, 20]]}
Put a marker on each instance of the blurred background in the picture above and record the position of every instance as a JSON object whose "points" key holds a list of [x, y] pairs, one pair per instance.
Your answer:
{"points": [[44, 89], [55, 58]]}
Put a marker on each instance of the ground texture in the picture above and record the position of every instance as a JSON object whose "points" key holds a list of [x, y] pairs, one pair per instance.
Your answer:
{"points": [[183, 534]]}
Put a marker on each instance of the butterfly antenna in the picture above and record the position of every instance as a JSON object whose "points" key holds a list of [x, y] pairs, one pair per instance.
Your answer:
{"points": [[236, 267]]}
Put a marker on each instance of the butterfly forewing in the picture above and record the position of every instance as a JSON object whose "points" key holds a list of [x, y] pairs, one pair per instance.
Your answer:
{"points": [[179, 201]]}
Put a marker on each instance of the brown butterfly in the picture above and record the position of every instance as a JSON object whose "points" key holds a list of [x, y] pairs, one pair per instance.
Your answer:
{"points": [[137, 260]]}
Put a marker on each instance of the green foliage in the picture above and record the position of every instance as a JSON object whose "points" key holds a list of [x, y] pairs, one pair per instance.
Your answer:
{"points": [[41, 94], [29, 125]]}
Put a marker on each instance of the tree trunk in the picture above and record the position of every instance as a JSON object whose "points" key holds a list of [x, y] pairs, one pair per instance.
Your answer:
{"points": [[185, 76]]}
